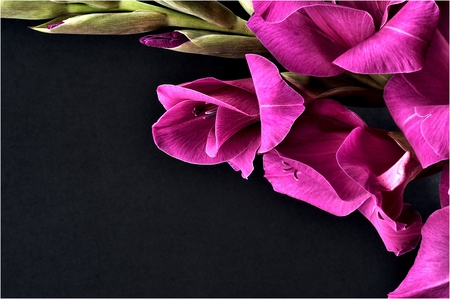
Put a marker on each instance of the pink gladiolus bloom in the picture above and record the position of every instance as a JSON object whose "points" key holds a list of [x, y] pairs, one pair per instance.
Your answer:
{"points": [[332, 160], [209, 121], [429, 276], [373, 160], [418, 103], [324, 39]]}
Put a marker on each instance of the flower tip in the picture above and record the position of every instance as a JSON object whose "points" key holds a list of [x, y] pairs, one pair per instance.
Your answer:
{"points": [[51, 26], [164, 40]]}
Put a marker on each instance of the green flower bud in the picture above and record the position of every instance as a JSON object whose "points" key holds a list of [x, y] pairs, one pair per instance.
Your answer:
{"points": [[206, 43], [247, 5], [210, 11], [32, 10], [106, 23], [93, 3]]}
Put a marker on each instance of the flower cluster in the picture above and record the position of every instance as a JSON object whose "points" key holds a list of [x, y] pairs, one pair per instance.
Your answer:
{"points": [[334, 53]]}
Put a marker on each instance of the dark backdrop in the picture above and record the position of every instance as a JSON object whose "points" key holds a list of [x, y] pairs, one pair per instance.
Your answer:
{"points": [[91, 208]]}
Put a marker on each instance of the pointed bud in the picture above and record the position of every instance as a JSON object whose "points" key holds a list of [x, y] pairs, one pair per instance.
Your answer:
{"points": [[93, 3], [247, 5], [32, 10], [210, 11], [106, 23], [206, 43]]}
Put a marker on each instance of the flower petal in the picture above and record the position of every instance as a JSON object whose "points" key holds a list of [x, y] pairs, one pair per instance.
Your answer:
{"points": [[313, 53], [378, 164], [410, 30], [400, 235], [228, 123], [379, 10], [279, 104], [244, 161], [304, 166], [429, 276], [345, 26], [235, 95], [276, 11], [434, 127], [402, 100], [183, 136]]}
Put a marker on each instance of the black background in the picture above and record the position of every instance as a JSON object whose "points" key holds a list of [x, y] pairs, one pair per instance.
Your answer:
{"points": [[91, 208]]}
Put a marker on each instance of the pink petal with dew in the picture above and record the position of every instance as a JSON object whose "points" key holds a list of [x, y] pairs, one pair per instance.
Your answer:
{"points": [[279, 104], [429, 276]]}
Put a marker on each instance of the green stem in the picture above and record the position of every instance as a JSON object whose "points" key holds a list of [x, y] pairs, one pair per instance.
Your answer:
{"points": [[381, 79], [365, 79], [178, 19], [77, 8]]}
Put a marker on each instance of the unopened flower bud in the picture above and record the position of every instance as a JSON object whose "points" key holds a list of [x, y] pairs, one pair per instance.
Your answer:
{"points": [[32, 10], [210, 11], [93, 3], [206, 43], [106, 23]]}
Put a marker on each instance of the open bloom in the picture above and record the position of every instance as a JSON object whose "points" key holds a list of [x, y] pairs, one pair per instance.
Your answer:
{"points": [[418, 103], [332, 160], [324, 39], [429, 276], [209, 121]]}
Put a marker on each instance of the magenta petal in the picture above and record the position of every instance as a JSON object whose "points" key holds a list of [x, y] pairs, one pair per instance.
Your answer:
{"points": [[432, 81], [234, 95], [313, 53], [302, 182], [304, 165], [443, 25], [378, 164], [228, 123], [345, 26], [410, 30], [444, 189], [434, 127], [276, 11], [279, 104], [244, 161], [429, 276], [182, 135], [379, 10], [336, 111], [403, 101], [400, 235]]}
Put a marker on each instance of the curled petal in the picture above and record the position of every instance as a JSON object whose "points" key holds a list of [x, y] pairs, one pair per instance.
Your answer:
{"points": [[235, 95], [412, 28], [244, 161], [379, 10], [182, 135], [429, 276], [400, 235], [279, 104]]}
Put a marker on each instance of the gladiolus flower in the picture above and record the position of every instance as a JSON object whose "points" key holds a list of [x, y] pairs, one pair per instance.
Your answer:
{"points": [[429, 276], [324, 39], [418, 103], [209, 121], [332, 160]]}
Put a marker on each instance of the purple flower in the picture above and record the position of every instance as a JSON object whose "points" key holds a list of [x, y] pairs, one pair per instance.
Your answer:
{"points": [[164, 40], [418, 103], [429, 276], [324, 39], [332, 160], [373, 160], [209, 121]]}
